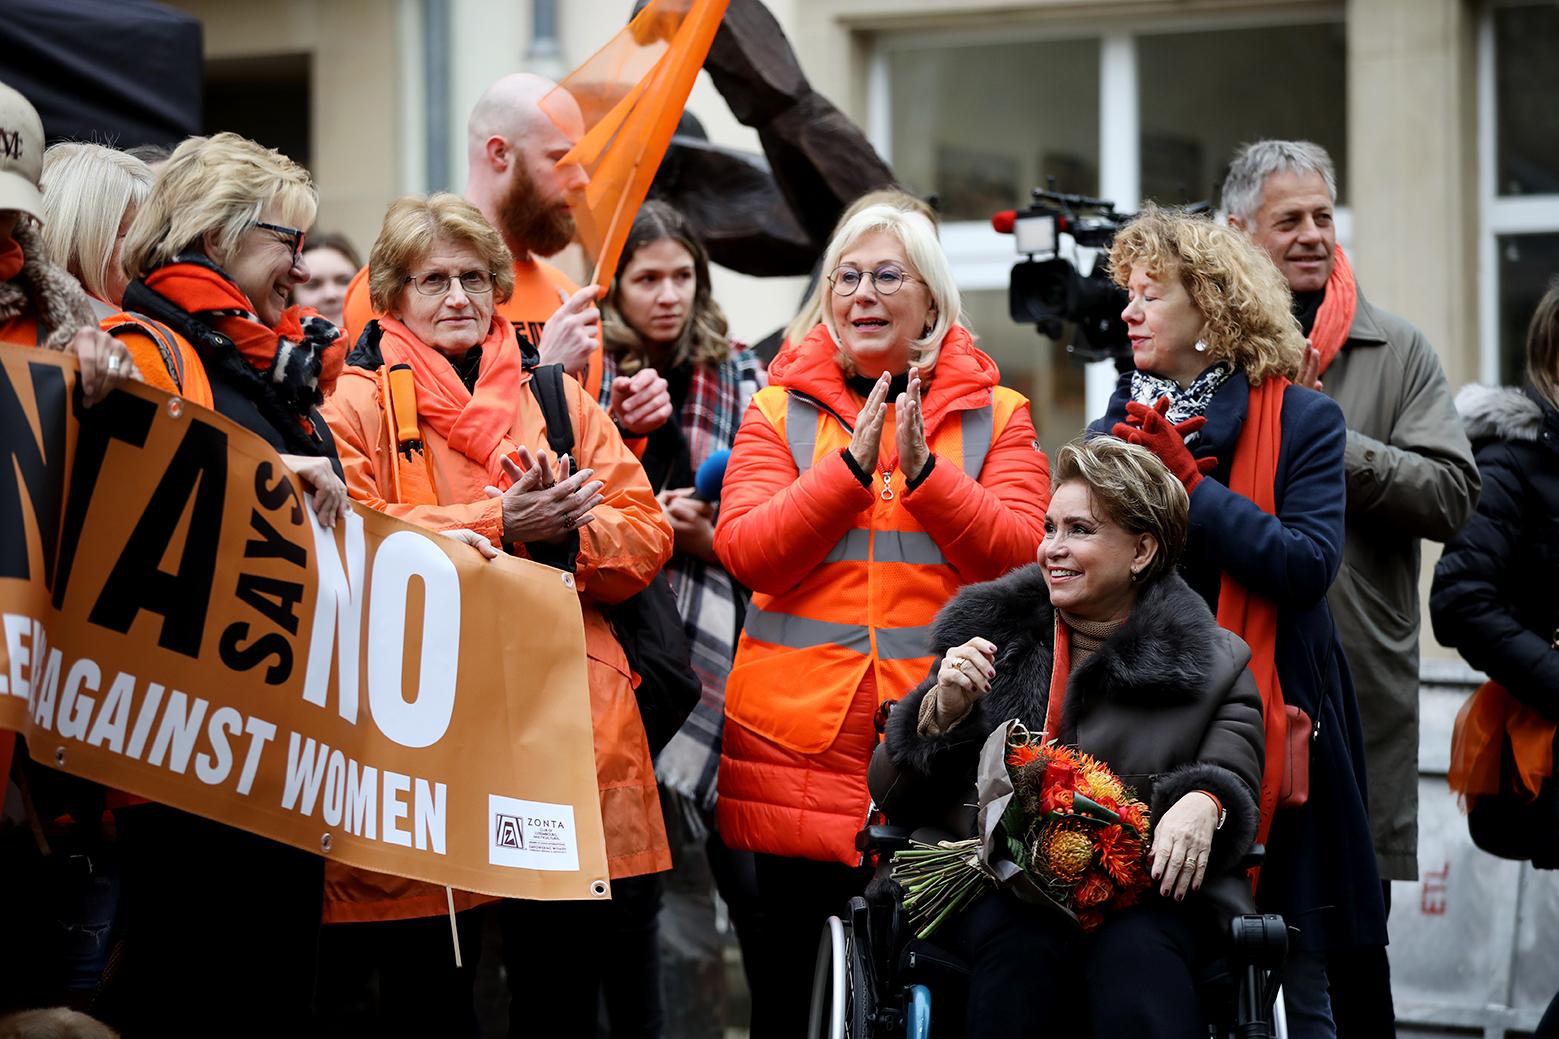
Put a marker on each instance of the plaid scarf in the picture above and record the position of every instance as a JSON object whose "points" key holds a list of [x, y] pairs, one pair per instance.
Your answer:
{"points": [[711, 604]]}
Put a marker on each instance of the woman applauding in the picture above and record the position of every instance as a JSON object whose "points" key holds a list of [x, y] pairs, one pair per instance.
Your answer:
{"points": [[883, 468], [1215, 346], [1105, 648], [437, 424]]}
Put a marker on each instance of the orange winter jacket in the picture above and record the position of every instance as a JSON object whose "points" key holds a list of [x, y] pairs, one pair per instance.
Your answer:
{"points": [[846, 579], [165, 359], [536, 288], [619, 553]]}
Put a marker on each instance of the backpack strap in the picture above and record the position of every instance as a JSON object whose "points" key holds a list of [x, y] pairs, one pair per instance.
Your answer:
{"points": [[160, 334], [546, 382]]}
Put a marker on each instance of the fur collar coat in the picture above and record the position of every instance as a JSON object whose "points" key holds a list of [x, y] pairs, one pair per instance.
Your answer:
{"points": [[1166, 701], [45, 290]]}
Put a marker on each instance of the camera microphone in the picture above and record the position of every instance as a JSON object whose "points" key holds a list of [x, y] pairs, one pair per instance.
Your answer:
{"points": [[1004, 221], [710, 477]]}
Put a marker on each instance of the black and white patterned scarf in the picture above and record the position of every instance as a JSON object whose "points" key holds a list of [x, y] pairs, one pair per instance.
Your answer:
{"points": [[1147, 388]]}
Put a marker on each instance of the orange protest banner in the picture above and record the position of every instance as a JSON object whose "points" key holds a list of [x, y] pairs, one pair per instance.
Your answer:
{"points": [[621, 108], [174, 623]]}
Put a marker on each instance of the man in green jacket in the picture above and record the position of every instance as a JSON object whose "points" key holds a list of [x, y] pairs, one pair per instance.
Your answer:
{"points": [[1410, 476]]}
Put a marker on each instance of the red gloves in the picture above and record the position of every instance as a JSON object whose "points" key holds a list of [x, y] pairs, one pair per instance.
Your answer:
{"points": [[1149, 428]]}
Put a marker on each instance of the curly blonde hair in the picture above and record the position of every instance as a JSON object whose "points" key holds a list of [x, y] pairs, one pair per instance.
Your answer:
{"points": [[1232, 283]]}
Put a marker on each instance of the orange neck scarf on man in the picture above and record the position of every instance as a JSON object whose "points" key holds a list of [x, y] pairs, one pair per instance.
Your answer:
{"points": [[1254, 618], [476, 424], [1335, 316]]}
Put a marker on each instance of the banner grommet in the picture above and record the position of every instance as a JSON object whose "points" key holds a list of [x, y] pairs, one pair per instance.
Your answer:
{"points": [[324, 843], [175, 407], [568, 580], [600, 888], [59, 756]]}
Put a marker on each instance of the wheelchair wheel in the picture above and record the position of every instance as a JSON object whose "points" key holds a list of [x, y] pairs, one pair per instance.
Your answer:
{"points": [[842, 1001]]}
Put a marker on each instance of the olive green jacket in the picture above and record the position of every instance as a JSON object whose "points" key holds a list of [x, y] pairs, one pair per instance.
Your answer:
{"points": [[1410, 476]]}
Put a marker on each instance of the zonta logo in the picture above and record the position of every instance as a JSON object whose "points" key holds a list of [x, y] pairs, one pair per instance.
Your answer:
{"points": [[510, 833], [11, 143]]}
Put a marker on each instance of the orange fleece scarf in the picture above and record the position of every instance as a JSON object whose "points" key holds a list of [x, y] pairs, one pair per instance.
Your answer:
{"points": [[1060, 671], [1254, 618], [475, 424], [11, 258], [1335, 317], [1477, 742]]}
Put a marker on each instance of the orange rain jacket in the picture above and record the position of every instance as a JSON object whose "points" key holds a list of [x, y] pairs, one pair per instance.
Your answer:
{"points": [[846, 579], [619, 553], [166, 359]]}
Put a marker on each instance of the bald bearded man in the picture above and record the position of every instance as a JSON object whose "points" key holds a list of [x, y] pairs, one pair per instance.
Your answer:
{"points": [[519, 181]]}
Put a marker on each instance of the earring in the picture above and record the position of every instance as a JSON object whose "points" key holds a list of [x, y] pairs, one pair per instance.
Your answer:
{"points": [[1201, 347], [1136, 575]]}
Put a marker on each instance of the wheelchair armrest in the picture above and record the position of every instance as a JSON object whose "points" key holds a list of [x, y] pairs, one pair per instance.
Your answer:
{"points": [[883, 838]]}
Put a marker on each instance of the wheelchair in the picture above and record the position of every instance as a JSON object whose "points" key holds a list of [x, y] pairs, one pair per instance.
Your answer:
{"points": [[874, 980]]}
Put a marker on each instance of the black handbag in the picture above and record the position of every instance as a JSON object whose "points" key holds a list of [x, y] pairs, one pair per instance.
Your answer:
{"points": [[1510, 825], [648, 623]]}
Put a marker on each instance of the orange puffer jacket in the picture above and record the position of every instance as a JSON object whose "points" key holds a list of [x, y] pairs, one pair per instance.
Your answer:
{"points": [[846, 579], [619, 553]]}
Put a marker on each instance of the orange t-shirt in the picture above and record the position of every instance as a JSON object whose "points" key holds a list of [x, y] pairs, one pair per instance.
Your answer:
{"points": [[535, 299]]}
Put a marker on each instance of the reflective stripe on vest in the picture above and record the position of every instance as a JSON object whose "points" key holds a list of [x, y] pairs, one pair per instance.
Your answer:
{"points": [[792, 632], [801, 418], [891, 546]]}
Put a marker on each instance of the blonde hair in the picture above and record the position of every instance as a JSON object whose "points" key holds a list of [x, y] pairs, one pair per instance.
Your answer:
{"points": [[811, 312], [1134, 490], [1231, 280], [705, 338], [926, 262], [218, 184], [412, 225], [87, 190]]}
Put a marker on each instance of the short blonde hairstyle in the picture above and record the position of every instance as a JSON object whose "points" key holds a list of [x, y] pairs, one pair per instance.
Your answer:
{"points": [[1134, 490], [811, 311], [926, 262], [218, 184], [1231, 280], [412, 225], [87, 189]]}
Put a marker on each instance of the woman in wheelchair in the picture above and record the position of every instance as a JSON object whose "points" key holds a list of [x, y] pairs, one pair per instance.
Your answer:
{"points": [[1154, 688]]}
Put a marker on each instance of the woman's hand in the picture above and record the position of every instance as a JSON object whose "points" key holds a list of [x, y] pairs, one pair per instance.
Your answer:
{"points": [[867, 439], [475, 540], [104, 361], [964, 677], [910, 429], [641, 403], [329, 493], [692, 522], [1181, 841], [540, 507], [1148, 427]]}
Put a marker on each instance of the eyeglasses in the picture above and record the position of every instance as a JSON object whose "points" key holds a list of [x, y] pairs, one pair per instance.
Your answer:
{"points": [[437, 283], [887, 279], [290, 235]]}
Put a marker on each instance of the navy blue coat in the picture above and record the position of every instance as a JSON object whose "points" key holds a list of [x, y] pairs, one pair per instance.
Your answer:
{"points": [[1320, 871]]}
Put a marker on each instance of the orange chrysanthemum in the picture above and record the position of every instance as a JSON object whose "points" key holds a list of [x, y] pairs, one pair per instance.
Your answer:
{"points": [[1022, 755], [1093, 890]]}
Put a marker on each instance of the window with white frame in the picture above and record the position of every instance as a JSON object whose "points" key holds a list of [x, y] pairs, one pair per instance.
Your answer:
{"points": [[1520, 112], [979, 119]]}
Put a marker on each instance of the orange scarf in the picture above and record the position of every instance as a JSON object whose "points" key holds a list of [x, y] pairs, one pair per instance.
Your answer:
{"points": [[475, 424], [1252, 617], [1335, 317], [11, 258], [1060, 671], [1477, 743]]}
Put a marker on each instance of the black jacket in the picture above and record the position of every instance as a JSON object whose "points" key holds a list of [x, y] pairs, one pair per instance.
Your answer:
{"points": [[238, 392], [1494, 597], [1167, 702]]}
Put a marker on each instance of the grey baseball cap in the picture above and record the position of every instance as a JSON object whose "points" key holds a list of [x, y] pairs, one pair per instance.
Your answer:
{"points": [[21, 154]]}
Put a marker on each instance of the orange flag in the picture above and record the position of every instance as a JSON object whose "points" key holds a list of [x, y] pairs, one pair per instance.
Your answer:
{"points": [[620, 108]]}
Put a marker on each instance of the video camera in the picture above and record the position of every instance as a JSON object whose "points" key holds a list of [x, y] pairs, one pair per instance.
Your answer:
{"points": [[1049, 291]]}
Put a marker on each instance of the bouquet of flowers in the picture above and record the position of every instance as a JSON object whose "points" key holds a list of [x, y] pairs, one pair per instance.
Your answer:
{"points": [[1056, 827]]}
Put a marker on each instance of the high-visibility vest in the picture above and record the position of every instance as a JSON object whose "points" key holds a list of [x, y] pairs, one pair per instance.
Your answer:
{"points": [[871, 601]]}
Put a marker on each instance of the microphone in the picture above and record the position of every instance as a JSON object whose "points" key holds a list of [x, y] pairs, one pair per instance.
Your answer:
{"points": [[710, 476], [1002, 222]]}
